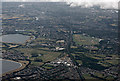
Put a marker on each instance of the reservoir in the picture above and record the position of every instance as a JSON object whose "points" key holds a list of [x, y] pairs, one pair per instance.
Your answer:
{"points": [[6, 66], [14, 38]]}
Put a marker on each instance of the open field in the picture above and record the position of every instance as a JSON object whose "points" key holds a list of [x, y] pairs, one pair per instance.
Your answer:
{"points": [[48, 66], [84, 40], [45, 56], [36, 63], [88, 77], [108, 60], [42, 40], [96, 61]]}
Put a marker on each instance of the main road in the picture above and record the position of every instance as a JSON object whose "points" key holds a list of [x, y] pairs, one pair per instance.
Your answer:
{"points": [[68, 48]]}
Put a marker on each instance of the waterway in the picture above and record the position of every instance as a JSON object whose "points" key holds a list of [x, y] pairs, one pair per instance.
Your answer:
{"points": [[14, 38], [6, 66]]}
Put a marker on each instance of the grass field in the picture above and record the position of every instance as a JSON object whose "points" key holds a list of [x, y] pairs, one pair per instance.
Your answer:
{"points": [[88, 77], [107, 62], [36, 63], [42, 40], [39, 55], [96, 61], [84, 40], [48, 66], [45, 57]]}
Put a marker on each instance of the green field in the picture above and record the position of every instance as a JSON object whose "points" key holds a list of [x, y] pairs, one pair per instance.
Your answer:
{"points": [[95, 61], [40, 40], [36, 63], [85, 40], [103, 59], [88, 77], [45, 55], [48, 66]]}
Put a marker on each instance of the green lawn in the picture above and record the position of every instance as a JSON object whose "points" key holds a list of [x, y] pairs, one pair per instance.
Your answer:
{"points": [[84, 40], [36, 63], [46, 55], [48, 66], [88, 77]]}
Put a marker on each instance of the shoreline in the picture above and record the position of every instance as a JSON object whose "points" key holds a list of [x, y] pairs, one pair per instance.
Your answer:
{"points": [[29, 37], [11, 61], [22, 66]]}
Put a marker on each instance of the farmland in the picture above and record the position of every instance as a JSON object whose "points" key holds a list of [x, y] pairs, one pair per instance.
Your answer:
{"points": [[44, 56], [85, 40]]}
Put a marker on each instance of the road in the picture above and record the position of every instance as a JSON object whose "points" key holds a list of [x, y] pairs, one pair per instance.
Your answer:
{"points": [[68, 48]]}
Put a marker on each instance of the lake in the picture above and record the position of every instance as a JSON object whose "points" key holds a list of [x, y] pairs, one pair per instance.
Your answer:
{"points": [[6, 66], [14, 38]]}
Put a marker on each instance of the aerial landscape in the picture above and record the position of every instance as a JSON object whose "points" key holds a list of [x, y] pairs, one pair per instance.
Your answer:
{"points": [[54, 41]]}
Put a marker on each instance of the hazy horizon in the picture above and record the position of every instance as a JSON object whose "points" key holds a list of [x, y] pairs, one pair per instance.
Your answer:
{"points": [[106, 4]]}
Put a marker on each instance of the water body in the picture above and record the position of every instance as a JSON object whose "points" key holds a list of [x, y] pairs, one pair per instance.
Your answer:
{"points": [[14, 38], [6, 66]]}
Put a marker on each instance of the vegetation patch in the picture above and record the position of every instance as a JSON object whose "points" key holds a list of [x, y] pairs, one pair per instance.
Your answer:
{"points": [[37, 55], [85, 40]]}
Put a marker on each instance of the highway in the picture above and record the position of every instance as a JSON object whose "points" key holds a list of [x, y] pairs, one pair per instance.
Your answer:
{"points": [[68, 48]]}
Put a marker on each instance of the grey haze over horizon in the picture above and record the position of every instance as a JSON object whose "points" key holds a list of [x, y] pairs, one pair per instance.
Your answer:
{"points": [[104, 4]]}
